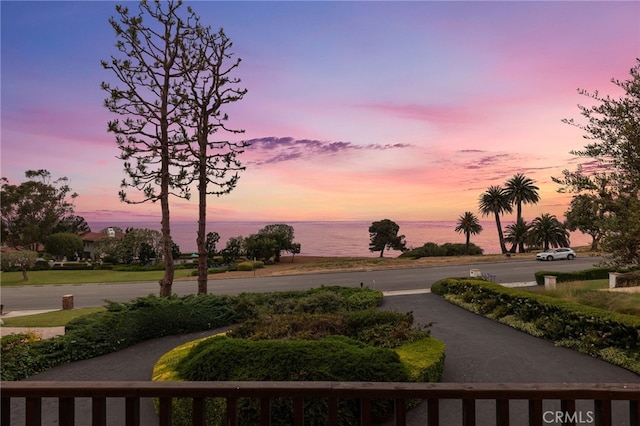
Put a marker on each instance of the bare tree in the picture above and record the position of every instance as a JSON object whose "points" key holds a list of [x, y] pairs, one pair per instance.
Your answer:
{"points": [[151, 100], [207, 64]]}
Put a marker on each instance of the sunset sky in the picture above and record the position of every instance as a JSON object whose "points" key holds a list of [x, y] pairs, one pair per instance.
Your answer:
{"points": [[355, 110]]}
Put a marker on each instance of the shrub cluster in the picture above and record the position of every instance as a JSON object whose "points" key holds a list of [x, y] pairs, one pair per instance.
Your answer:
{"points": [[629, 279], [125, 324], [120, 326], [446, 249], [584, 328]]}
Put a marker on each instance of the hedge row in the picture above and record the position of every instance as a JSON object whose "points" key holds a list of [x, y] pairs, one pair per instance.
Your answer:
{"points": [[585, 275], [446, 249], [125, 324], [607, 335]]}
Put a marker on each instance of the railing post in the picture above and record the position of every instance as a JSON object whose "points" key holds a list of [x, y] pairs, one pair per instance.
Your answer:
{"points": [[502, 412], [232, 411], [400, 411], [265, 411], [298, 411], [602, 412], [634, 413], [568, 407], [333, 411], [99, 411], [365, 411], [535, 412], [166, 411], [198, 411], [469, 412], [132, 411], [5, 414], [433, 412], [33, 411], [66, 411]]}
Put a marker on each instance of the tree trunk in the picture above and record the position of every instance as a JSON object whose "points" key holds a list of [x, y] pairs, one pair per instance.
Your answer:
{"points": [[466, 250], [500, 235], [25, 277], [202, 215], [167, 279], [382, 252]]}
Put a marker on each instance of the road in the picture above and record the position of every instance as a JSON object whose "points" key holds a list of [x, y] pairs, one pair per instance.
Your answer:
{"points": [[89, 295]]}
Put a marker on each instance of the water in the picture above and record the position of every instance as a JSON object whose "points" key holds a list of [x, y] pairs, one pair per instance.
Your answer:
{"points": [[343, 239]]}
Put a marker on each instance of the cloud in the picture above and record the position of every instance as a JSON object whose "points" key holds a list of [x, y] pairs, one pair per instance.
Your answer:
{"points": [[271, 150]]}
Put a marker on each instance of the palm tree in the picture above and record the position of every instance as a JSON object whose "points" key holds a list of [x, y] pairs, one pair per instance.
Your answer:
{"points": [[521, 189], [469, 224], [548, 231], [495, 201], [518, 234]]}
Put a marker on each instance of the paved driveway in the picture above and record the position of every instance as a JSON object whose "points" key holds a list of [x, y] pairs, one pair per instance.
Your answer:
{"points": [[478, 350]]}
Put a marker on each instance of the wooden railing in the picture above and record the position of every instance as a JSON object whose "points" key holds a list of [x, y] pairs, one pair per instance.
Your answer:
{"points": [[598, 397]]}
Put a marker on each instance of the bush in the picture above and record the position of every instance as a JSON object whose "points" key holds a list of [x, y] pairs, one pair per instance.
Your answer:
{"points": [[250, 265], [585, 275], [333, 358], [592, 330], [446, 249], [629, 279]]}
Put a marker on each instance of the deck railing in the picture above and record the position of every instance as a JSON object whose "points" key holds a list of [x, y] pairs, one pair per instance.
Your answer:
{"points": [[598, 397]]}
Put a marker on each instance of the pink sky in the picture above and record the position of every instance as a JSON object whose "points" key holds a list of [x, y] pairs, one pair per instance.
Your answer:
{"points": [[355, 110]]}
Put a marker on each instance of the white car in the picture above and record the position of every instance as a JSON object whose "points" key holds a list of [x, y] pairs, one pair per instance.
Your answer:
{"points": [[556, 254]]}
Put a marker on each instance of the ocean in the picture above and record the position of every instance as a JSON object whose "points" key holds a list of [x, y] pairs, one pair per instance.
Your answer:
{"points": [[344, 239]]}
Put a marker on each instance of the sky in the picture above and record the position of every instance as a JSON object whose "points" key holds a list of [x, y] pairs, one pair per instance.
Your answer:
{"points": [[355, 110]]}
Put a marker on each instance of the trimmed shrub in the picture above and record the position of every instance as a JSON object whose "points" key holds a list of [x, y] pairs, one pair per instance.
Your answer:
{"points": [[424, 359], [250, 265], [629, 279], [333, 358], [585, 275], [446, 249], [590, 329]]}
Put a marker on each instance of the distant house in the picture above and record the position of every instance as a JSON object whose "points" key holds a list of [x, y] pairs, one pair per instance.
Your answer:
{"points": [[91, 238]]}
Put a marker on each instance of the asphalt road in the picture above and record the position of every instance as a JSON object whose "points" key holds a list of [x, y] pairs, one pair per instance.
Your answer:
{"points": [[89, 295]]}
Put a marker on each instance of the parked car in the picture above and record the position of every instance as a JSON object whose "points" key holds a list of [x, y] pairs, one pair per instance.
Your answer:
{"points": [[556, 254]]}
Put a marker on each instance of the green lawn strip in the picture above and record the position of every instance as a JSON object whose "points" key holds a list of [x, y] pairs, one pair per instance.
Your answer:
{"points": [[49, 319], [84, 277]]}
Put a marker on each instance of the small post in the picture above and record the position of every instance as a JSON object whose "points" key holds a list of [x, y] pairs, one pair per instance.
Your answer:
{"points": [[550, 282], [67, 302], [613, 279]]}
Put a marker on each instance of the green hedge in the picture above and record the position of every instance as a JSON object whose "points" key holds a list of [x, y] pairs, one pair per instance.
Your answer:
{"points": [[585, 275], [446, 249], [125, 324], [610, 336]]}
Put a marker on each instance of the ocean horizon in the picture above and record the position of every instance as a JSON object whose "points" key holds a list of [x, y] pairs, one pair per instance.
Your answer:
{"points": [[334, 238]]}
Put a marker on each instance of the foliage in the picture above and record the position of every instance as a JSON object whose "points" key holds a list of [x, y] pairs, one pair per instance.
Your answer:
{"points": [[468, 224], [521, 190], [592, 330], [64, 244], [210, 244], [424, 358], [586, 215], [124, 324], [547, 231], [497, 201], [612, 175], [32, 210], [21, 260], [584, 275], [447, 249], [72, 224], [384, 235], [249, 265], [270, 242], [18, 353], [518, 234], [233, 249]]}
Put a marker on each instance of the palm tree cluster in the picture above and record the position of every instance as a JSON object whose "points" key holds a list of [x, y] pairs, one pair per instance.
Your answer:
{"points": [[544, 231]]}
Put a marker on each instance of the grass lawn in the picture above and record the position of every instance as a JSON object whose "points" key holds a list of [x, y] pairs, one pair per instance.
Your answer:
{"points": [[593, 293], [49, 319], [84, 277]]}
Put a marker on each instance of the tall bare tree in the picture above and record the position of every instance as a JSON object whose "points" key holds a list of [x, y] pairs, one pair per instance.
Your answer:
{"points": [[208, 65], [151, 101]]}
